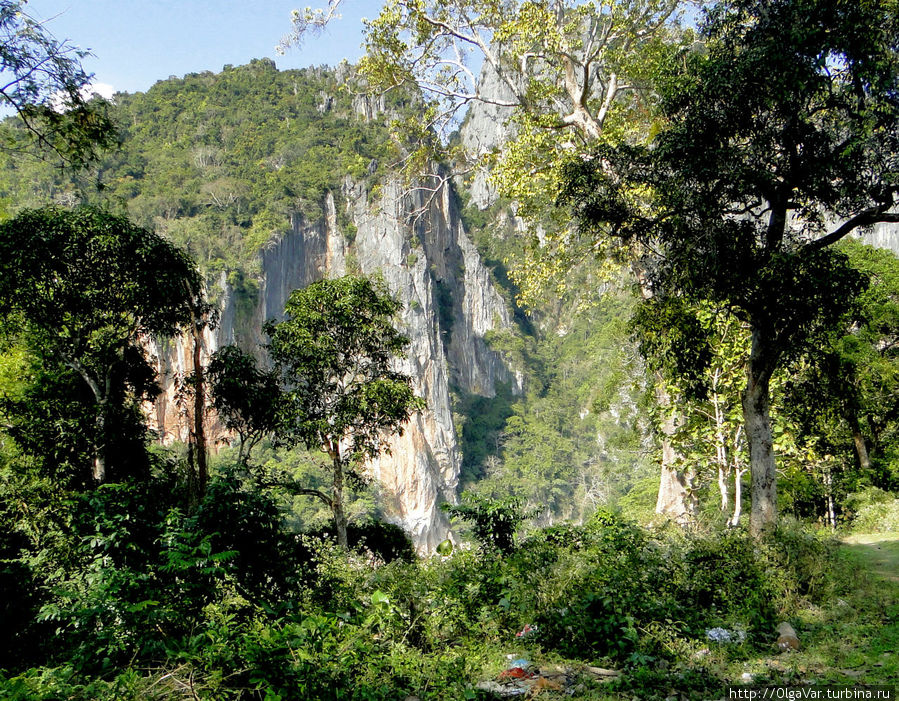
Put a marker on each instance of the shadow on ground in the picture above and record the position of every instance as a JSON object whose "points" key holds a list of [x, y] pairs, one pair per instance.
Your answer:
{"points": [[878, 552]]}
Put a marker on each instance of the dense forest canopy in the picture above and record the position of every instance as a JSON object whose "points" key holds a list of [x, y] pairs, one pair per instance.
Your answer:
{"points": [[220, 162]]}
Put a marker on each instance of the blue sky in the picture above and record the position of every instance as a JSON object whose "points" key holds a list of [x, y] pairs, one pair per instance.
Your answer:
{"points": [[137, 42]]}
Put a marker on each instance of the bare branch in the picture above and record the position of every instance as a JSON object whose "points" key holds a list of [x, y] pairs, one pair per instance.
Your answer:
{"points": [[872, 215]]}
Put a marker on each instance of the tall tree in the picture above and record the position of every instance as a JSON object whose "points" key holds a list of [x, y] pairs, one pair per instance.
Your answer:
{"points": [[846, 394], [44, 83], [83, 286], [337, 350], [781, 138]]}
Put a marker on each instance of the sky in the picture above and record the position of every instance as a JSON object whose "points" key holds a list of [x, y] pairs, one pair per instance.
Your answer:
{"points": [[138, 42]]}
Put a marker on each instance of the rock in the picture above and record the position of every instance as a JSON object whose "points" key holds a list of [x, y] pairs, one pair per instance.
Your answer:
{"points": [[602, 673], [853, 673], [787, 639]]}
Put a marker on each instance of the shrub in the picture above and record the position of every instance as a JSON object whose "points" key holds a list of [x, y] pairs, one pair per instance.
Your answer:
{"points": [[724, 581], [493, 521], [383, 542], [801, 565], [882, 517]]}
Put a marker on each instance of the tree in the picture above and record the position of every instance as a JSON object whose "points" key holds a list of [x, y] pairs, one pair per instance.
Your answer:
{"points": [[563, 63], [566, 72], [82, 287], [845, 395], [247, 398], [46, 87], [785, 123], [337, 350], [678, 341]]}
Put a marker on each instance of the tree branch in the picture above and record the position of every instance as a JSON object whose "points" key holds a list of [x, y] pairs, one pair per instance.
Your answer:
{"points": [[295, 489], [872, 215]]}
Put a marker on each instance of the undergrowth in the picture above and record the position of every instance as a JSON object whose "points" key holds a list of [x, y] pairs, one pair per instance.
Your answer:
{"points": [[223, 603]]}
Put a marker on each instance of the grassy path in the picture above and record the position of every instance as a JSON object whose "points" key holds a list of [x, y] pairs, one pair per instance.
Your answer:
{"points": [[878, 553], [854, 640]]}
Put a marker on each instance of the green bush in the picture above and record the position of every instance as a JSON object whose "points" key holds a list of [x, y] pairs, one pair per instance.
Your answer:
{"points": [[801, 565], [493, 522], [225, 601], [723, 578], [882, 517]]}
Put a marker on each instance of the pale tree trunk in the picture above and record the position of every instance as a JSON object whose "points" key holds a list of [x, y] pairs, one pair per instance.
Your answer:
{"points": [[720, 443], [722, 487], [756, 418], [738, 498], [738, 472], [828, 487], [99, 470], [675, 500]]}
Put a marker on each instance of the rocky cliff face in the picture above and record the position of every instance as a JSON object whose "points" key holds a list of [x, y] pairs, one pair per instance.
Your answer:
{"points": [[883, 235], [420, 247], [486, 128]]}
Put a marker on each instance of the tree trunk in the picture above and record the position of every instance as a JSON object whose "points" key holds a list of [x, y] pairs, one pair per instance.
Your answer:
{"points": [[675, 499], [861, 447], [720, 443], [722, 488], [199, 429], [828, 488], [340, 520], [99, 470], [738, 498], [756, 404]]}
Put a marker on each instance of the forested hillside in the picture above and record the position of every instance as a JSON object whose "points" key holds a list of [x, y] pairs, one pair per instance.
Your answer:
{"points": [[223, 164], [219, 162]]}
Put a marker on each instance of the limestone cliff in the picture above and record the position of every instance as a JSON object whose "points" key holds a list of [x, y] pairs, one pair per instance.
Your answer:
{"points": [[883, 235], [420, 247]]}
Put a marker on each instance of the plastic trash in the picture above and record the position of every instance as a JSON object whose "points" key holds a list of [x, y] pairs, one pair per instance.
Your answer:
{"points": [[722, 635], [501, 689]]}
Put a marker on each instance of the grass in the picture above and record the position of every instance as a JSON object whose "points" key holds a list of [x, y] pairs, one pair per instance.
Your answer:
{"points": [[877, 552], [855, 638]]}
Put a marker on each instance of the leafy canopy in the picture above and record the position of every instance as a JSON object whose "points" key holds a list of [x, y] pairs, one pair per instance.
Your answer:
{"points": [[785, 122], [247, 398], [81, 288], [89, 282], [44, 83], [337, 349]]}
